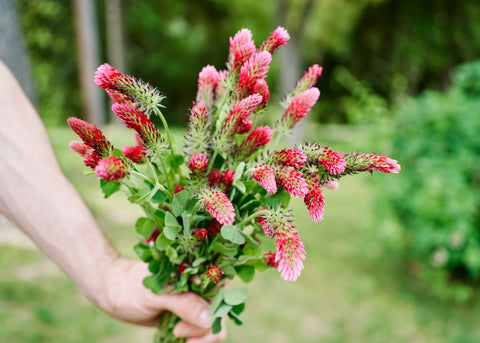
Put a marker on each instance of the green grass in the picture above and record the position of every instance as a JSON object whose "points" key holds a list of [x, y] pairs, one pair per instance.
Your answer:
{"points": [[353, 288]]}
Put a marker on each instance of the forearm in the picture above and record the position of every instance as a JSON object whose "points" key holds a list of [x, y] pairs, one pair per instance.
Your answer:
{"points": [[40, 200]]}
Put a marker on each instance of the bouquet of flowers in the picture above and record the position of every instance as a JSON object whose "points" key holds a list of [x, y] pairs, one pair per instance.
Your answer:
{"points": [[209, 208]]}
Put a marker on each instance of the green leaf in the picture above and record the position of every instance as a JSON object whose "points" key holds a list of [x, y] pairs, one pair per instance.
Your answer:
{"points": [[182, 197], [177, 207], [186, 224], [170, 220], [171, 232], [252, 249], [143, 251], [240, 186], [235, 317], [144, 227], [228, 269], [222, 310], [233, 234], [239, 171], [216, 301], [162, 242], [118, 153], [217, 325], [246, 273], [198, 261], [159, 197], [235, 296], [224, 250], [109, 187]]}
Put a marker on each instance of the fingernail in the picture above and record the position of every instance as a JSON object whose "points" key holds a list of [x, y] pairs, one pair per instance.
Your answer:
{"points": [[204, 319]]}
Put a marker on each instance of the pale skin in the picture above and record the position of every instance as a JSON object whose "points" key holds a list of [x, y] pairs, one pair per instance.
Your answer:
{"points": [[36, 196]]}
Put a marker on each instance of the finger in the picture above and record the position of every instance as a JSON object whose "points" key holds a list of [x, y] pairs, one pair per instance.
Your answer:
{"points": [[209, 338], [185, 329], [332, 184], [188, 306]]}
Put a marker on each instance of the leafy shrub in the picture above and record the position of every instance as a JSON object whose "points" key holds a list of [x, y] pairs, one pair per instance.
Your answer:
{"points": [[436, 138]]}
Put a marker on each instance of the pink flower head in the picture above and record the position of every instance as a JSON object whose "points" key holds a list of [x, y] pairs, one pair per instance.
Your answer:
{"points": [[81, 148], [290, 253], [277, 38], [314, 200], [333, 161], [299, 107], [292, 180], [261, 87], [198, 133], [254, 69], [91, 136], [111, 168], [137, 154], [384, 164], [218, 205], [295, 158], [198, 162], [207, 83], [153, 237], [308, 80], [137, 120], [221, 90], [273, 220], [214, 273], [241, 49], [256, 139], [202, 233], [106, 76], [265, 177]]}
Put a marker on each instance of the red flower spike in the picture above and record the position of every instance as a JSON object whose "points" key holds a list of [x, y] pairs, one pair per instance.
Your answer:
{"points": [[218, 205], [213, 228], [333, 161], [80, 148], [153, 237], [295, 158], [178, 189], [299, 107], [91, 136], [137, 154], [270, 259], [290, 253], [241, 49], [137, 120], [106, 76], [111, 168], [308, 80], [254, 69], [228, 178], [198, 162], [256, 139], [237, 119], [207, 83], [118, 97], [292, 180], [277, 38], [244, 126], [214, 273], [265, 177], [384, 164], [215, 177], [314, 200], [182, 266], [261, 87], [91, 160], [201, 234]]}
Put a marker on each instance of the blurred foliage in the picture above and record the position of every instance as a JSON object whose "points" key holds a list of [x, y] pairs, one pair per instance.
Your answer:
{"points": [[436, 198], [391, 47]]}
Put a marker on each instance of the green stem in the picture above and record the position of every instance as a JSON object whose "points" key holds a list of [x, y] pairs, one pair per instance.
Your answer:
{"points": [[169, 137], [244, 222]]}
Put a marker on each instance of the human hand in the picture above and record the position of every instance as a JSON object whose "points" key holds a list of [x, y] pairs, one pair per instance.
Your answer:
{"points": [[124, 297]]}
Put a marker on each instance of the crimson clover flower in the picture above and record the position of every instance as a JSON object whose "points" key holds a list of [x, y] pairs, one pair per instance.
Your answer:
{"points": [[217, 204], [111, 168], [214, 273]]}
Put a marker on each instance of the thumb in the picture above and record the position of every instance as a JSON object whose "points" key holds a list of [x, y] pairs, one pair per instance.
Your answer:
{"points": [[189, 307]]}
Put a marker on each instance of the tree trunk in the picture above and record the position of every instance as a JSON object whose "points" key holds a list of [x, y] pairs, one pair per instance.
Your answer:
{"points": [[12, 49], [86, 32]]}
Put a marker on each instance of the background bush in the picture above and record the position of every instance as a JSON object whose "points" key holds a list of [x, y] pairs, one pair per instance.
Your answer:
{"points": [[436, 197]]}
